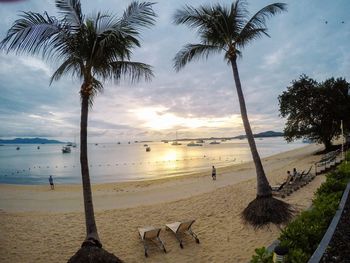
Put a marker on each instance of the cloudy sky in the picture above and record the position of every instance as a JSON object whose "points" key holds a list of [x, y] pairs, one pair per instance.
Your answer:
{"points": [[312, 37]]}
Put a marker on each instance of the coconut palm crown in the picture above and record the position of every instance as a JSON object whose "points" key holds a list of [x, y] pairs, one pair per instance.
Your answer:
{"points": [[91, 48], [228, 30]]}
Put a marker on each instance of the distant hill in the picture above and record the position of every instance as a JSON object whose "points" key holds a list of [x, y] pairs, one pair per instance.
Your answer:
{"points": [[29, 141], [262, 135]]}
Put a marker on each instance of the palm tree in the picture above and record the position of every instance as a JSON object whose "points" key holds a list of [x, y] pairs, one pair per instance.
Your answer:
{"points": [[92, 48], [228, 30]]}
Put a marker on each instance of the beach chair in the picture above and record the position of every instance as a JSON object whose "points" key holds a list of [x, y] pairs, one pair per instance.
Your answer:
{"points": [[283, 185], [150, 234], [181, 228], [308, 176]]}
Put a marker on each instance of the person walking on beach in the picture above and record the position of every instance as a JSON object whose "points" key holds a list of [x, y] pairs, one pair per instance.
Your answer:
{"points": [[213, 173], [51, 183]]}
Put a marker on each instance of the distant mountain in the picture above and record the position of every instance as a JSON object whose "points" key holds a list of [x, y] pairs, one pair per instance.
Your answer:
{"points": [[262, 135], [29, 141]]}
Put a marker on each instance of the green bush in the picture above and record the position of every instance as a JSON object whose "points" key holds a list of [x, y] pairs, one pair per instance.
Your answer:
{"points": [[303, 235], [262, 256]]}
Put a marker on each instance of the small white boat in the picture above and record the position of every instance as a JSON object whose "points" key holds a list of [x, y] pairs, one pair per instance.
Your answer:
{"points": [[148, 149], [66, 149]]}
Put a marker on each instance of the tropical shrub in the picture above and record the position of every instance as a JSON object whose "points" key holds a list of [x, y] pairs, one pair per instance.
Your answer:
{"points": [[303, 235], [262, 256]]}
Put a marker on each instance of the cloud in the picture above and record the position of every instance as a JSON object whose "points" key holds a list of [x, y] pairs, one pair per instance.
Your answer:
{"points": [[200, 100]]}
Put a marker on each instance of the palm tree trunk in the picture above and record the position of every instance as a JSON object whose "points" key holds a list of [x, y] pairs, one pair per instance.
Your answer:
{"points": [[91, 229], [263, 186]]}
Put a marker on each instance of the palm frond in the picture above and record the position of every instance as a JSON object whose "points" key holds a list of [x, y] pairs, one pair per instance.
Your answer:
{"points": [[257, 24], [32, 33], [139, 15], [97, 87], [73, 65], [193, 51], [113, 41], [71, 9], [132, 71]]}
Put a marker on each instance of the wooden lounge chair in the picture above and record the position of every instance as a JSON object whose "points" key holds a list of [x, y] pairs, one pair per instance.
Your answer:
{"points": [[283, 185], [151, 234], [181, 228]]}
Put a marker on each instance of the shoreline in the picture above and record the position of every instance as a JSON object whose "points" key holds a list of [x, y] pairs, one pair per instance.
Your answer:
{"points": [[68, 197]]}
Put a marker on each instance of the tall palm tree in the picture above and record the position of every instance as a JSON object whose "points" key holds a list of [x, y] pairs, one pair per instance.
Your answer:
{"points": [[92, 48], [227, 30]]}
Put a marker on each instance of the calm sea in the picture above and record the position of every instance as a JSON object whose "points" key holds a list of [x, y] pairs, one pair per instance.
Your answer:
{"points": [[111, 162]]}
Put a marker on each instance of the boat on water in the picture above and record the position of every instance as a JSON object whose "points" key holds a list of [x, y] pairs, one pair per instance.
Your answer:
{"points": [[38, 147], [306, 140], [66, 149], [74, 145], [176, 142], [18, 148], [194, 144], [214, 142], [148, 149], [69, 144], [145, 145], [165, 141], [200, 141]]}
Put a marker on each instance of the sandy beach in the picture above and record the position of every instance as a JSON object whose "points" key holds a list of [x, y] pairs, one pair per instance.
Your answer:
{"points": [[40, 225]]}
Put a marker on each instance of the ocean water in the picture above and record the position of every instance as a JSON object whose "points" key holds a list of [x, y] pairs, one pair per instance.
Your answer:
{"points": [[111, 162]]}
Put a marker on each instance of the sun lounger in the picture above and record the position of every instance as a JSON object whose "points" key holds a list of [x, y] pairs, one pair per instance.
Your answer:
{"points": [[283, 185], [151, 234], [181, 228]]}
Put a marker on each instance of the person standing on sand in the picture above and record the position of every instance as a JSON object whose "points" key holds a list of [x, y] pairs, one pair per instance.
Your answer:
{"points": [[213, 173], [51, 183]]}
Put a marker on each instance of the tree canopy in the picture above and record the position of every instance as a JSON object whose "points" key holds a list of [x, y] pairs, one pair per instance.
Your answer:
{"points": [[314, 110]]}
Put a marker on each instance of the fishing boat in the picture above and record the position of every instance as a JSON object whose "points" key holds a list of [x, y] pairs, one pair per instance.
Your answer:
{"points": [[148, 149], [175, 142], [66, 149]]}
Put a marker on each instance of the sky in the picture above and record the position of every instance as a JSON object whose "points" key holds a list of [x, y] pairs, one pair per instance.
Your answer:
{"points": [[312, 38]]}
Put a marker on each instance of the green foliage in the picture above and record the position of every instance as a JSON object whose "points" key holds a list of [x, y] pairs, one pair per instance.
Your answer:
{"points": [[314, 110], [330, 186], [262, 256], [303, 235], [297, 256]]}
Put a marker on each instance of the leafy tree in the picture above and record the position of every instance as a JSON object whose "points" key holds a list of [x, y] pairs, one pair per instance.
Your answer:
{"points": [[92, 48], [227, 30], [314, 110]]}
